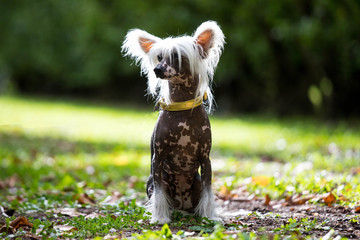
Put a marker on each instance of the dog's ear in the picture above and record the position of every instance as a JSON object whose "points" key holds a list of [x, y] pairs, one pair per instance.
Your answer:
{"points": [[138, 43], [206, 40], [209, 36], [146, 44]]}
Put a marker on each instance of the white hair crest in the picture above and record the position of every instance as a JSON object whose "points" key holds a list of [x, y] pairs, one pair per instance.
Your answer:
{"points": [[204, 67]]}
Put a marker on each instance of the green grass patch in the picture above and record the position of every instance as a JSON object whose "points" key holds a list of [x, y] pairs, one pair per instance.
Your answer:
{"points": [[55, 152]]}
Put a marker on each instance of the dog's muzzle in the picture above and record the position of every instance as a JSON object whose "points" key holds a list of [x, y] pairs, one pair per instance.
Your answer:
{"points": [[159, 71]]}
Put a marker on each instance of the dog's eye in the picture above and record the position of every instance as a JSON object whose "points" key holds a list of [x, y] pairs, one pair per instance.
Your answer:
{"points": [[159, 57], [175, 56]]}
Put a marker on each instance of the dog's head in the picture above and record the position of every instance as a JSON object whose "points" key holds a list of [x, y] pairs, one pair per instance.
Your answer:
{"points": [[172, 66], [176, 59]]}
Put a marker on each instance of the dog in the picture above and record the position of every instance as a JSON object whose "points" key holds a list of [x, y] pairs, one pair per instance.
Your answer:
{"points": [[180, 72]]}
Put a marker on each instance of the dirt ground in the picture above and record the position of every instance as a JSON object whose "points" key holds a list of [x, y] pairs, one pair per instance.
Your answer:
{"points": [[244, 215], [268, 218]]}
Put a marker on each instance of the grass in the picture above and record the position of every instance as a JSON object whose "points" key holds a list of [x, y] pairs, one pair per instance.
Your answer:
{"points": [[57, 154]]}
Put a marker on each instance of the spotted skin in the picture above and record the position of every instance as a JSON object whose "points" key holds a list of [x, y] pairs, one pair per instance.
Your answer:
{"points": [[181, 143]]}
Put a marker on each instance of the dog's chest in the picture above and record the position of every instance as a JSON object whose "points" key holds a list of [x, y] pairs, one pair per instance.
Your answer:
{"points": [[182, 139]]}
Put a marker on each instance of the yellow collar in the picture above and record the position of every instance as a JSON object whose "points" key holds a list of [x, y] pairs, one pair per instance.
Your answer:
{"points": [[181, 106]]}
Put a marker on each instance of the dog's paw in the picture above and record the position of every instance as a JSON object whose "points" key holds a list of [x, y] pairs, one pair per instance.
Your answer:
{"points": [[160, 220]]}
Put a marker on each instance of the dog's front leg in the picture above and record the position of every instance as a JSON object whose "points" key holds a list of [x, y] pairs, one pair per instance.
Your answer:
{"points": [[206, 206], [159, 203]]}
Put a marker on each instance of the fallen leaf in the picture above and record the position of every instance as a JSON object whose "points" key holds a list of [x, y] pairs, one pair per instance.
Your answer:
{"points": [[357, 209], [20, 222], [344, 199], [109, 236], [65, 228], [94, 215], [298, 199], [329, 199], [13, 198], [85, 199], [225, 193], [261, 180], [267, 200], [277, 206], [224, 190], [67, 211], [114, 198]]}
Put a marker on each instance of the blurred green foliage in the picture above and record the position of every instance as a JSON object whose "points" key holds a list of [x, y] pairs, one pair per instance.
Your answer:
{"points": [[281, 56]]}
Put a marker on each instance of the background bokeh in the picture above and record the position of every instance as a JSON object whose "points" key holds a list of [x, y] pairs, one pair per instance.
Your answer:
{"points": [[281, 57]]}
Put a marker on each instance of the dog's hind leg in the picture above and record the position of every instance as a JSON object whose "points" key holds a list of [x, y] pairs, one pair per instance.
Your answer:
{"points": [[206, 206], [159, 207], [196, 190]]}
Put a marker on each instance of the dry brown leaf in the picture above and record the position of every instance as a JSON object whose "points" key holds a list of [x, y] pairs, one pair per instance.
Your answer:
{"points": [[298, 199], [357, 209], [261, 180], [224, 190], [267, 200], [85, 199], [329, 199], [13, 198], [225, 193], [288, 199], [20, 222], [115, 196], [344, 199], [31, 236]]}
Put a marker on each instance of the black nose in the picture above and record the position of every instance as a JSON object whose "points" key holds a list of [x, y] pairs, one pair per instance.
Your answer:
{"points": [[159, 71]]}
